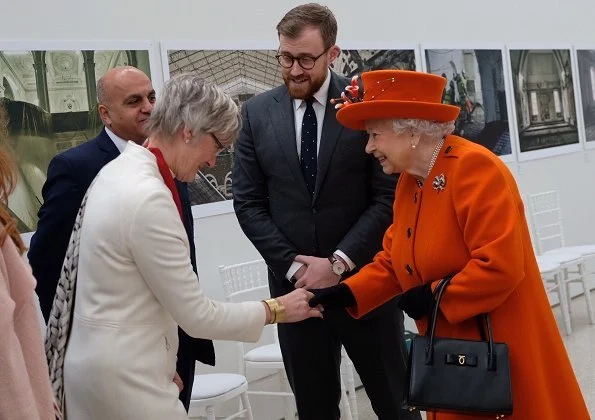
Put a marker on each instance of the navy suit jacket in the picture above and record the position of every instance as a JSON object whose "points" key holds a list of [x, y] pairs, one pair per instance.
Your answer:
{"points": [[69, 176]]}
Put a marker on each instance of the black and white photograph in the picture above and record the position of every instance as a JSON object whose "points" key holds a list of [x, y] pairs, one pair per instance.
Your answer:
{"points": [[51, 100], [544, 99], [245, 73], [476, 84], [586, 75]]}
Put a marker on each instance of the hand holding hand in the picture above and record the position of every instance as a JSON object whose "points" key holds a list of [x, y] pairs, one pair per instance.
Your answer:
{"points": [[339, 296], [297, 307], [318, 275], [417, 301]]}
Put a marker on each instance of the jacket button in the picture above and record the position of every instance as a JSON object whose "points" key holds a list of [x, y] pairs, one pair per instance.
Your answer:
{"points": [[409, 232], [409, 269], [415, 198], [448, 149]]}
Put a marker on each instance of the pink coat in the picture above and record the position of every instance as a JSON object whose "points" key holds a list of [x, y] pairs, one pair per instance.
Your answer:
{"points": [[25, 391]]}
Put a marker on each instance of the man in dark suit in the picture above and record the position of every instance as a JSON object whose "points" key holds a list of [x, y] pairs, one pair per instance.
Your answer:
{"points": [[126, 98], [316, 206]]}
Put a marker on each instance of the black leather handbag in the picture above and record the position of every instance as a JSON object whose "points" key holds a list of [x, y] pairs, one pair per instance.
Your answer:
{"points": [[458, 376]]}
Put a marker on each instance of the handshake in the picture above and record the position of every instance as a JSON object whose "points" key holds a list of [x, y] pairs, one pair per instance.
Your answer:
{"points": [[415, 302], [316, 276]]}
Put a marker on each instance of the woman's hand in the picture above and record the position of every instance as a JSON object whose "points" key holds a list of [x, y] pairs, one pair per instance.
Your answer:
{"points": [[178, 382], [297, 307], [417, 301], [339, 296]]}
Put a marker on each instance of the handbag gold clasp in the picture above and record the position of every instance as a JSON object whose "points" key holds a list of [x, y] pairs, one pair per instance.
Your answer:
{"points": [[462, 359]]}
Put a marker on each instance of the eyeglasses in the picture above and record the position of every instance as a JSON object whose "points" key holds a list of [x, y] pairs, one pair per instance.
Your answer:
{"points": [[306, 62], [220, 147]]}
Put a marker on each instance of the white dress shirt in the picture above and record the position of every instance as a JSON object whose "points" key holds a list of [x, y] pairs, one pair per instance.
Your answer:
{"points": [[118, 141]]}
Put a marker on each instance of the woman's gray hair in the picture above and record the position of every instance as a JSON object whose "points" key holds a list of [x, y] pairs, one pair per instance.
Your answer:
{"points": [[199, 105], [431, 129]]}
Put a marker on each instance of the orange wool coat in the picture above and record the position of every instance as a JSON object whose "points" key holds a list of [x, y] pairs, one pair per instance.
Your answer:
{"points": [[476, 229]]}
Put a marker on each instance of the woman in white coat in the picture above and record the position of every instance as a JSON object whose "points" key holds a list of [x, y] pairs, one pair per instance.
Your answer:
{"points": [[135, 283]]}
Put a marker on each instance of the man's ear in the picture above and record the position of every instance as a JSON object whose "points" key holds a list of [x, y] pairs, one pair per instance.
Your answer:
{"points": [[333, 53], [104, 115]]}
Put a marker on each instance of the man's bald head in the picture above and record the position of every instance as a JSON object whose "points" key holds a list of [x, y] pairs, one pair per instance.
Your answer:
{"points": [[125, 97]]}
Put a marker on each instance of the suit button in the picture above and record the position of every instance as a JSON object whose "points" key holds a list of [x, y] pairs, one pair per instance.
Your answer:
{"points": [[448, 149], [314, 211], [409, 269], [409, 232], [415, 198]]}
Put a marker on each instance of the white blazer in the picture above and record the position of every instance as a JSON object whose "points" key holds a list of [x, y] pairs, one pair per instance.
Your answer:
{"points": [[135, 286]]}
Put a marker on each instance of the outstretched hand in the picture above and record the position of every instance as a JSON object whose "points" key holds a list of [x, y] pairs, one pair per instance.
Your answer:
{"points": [[338, 296], [298, 307]]}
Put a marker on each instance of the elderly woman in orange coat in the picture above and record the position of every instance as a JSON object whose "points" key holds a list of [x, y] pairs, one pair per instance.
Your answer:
{"points": [[458, 212]]}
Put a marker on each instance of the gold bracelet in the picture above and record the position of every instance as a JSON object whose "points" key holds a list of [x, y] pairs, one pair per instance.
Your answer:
{"points": [[279, 311], [276, 309], [272, 312]]}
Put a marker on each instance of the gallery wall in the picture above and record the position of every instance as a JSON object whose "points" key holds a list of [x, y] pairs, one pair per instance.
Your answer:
{"points": [[373, 24]]}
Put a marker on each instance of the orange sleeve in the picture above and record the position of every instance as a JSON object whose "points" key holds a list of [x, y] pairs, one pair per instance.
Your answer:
{"points": [[376, 282], [486, 200]]}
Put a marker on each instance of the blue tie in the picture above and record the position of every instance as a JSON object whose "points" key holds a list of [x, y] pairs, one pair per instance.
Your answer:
{"points": [[308, 158]]}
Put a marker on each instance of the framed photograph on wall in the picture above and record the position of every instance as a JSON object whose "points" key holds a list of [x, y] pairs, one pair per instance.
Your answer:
{"points": [[544, 101], [49, 92], [244, 73], [476, 83], [586, 92]]}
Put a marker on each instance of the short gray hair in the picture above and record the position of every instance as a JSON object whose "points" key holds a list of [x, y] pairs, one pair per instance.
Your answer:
{"points": [[432, 129], [102, 96], [197, 104]]}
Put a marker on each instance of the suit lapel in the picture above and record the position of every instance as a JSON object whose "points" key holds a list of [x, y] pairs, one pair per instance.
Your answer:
{"points": [[282, 119], [331, 129], [107, 146]]}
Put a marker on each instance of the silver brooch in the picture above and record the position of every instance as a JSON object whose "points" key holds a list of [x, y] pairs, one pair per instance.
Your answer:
{"points": [[439, 183]]}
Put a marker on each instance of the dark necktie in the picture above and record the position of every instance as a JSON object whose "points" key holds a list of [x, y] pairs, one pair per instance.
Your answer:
{"points": [[308, 158]]}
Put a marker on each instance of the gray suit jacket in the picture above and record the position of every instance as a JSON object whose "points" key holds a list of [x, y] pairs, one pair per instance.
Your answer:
{"points": [[352, 203]]}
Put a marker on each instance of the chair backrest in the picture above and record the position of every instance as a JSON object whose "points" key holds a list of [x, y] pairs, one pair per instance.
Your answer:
{"points": [[245, 281], [248, 281], [546, 216], [529, 220]]}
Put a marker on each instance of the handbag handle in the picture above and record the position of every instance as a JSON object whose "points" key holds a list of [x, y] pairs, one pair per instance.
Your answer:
{"points": [[481, 319]]}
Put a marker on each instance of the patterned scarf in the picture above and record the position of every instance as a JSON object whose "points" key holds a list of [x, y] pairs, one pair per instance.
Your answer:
{"points": [[58, 328], [59, 323]]}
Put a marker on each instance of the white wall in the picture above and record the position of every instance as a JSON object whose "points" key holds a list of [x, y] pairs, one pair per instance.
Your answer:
{"points": [[374, 23]]}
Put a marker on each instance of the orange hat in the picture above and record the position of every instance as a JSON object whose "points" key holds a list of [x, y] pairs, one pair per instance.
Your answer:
{"points": [[397, 94]]}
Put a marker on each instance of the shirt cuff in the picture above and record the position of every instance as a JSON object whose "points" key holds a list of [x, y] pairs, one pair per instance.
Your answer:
{"points": [[341, 254], [293, 268]]}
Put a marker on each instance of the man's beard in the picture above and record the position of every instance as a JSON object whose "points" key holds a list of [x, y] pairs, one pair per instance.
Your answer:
{"points": [[304, 90]]}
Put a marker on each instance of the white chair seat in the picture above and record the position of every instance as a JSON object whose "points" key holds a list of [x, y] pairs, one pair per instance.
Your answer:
{"points": [[547, 266], [215, 384], [584, 250], [561, 258], [212, 389], [268, 353]]}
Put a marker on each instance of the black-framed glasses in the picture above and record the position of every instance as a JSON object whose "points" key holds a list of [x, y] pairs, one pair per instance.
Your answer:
{"points": [[306, 62], [220, 147]]}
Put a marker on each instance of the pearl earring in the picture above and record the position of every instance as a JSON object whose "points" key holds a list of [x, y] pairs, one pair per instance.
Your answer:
{"points": [[187, 141], [413, 145]]}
